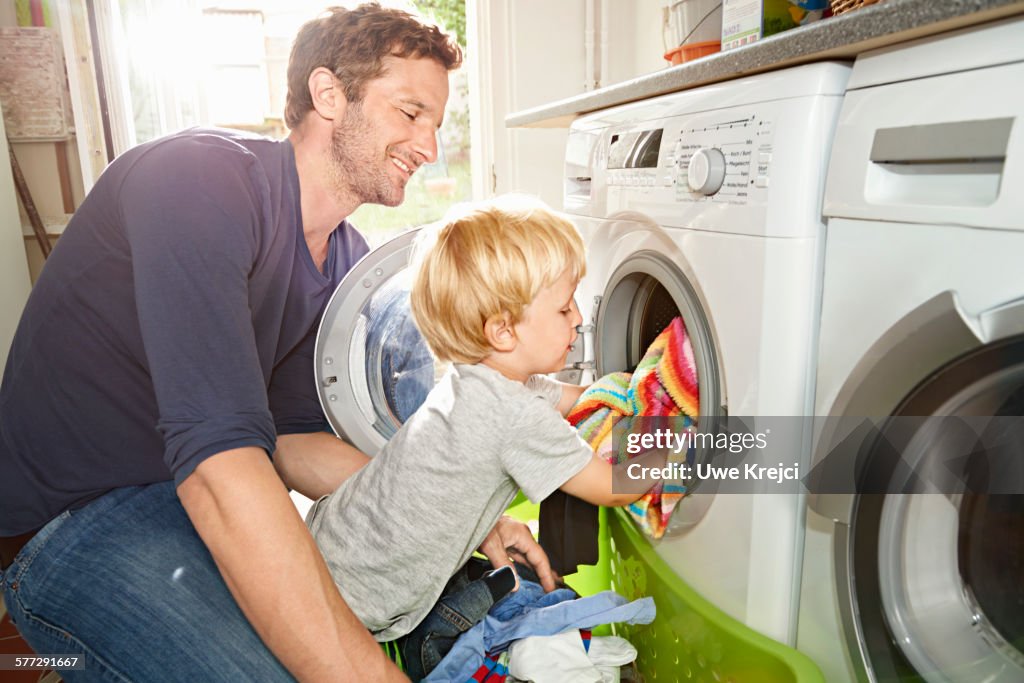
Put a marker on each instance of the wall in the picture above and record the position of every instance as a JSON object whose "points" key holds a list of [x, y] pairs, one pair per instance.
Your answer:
{"points": [[14, 278], [635, 41], [525, 57], [533, 52], [53, 174]]}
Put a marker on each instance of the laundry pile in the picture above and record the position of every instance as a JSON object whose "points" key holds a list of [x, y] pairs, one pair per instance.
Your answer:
{"points": [[543, 637], [664, 384]]}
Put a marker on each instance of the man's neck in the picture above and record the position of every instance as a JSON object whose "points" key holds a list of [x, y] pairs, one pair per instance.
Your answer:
{"points": [[322, 208]]}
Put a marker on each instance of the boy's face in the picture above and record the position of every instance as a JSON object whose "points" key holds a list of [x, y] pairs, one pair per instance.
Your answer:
{"points": [[548, 328]]}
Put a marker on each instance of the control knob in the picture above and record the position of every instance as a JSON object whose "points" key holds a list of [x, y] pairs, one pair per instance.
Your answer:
{"points": [[707, 170]]}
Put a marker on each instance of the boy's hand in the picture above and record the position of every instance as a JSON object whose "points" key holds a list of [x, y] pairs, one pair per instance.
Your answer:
{"points": [[511, 540]]}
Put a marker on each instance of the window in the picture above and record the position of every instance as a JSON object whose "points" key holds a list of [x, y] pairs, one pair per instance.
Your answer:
{"points": [[200, 62]]}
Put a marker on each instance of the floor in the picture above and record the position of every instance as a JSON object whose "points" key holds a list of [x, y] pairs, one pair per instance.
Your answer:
{"points": [[12, 644]]}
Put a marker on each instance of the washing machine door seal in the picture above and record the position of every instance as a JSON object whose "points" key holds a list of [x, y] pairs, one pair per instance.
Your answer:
{"points": [[631, 313], [625, 306]]}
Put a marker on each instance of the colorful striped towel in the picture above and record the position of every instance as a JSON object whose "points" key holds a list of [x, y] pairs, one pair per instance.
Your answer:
{"points": [[663, 384]]}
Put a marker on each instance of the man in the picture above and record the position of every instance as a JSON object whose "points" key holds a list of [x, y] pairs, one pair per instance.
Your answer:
{"points": [[166, 350]]}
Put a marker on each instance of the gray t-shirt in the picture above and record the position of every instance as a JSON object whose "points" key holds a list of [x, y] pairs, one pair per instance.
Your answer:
{"points": [[396, 531]]}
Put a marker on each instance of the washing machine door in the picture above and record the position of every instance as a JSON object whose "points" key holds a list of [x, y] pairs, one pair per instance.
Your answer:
{"points": [[642, 296], [938, 571], [373, 368]]}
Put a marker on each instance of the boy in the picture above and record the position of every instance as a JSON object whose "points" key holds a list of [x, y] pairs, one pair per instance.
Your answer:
{"points": [[492, 294]]}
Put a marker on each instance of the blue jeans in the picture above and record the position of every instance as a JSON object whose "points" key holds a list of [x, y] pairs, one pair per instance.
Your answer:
{"points": [[397, 351], [127, 583], [464, 602]]}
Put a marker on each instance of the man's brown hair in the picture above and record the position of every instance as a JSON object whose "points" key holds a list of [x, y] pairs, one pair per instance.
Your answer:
{"points": [[352, 44]]}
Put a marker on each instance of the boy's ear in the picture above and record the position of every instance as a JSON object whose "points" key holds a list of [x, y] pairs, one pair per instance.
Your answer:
{"points": [[500, 332]]}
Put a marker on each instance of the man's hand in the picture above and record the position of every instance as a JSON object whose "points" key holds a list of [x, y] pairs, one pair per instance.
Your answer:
{"points": [[511, 540]]}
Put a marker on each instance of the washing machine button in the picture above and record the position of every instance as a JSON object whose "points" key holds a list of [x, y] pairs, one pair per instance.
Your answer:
{"points": [[706, 171]]}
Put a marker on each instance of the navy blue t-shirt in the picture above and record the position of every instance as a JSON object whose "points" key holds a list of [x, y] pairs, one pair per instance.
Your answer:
{"points": [[175, 319]]}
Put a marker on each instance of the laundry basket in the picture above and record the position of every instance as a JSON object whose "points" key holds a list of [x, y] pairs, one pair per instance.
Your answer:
{"points": [[840, 6], [691, 640]]}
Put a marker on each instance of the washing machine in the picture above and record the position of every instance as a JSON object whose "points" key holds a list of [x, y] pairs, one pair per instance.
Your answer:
{"points": [[704, 204], [707, 204], [909, 576]]}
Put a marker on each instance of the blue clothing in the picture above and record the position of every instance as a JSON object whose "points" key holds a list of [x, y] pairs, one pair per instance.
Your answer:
{"points": [[465, 600], [532, 612], [128, 584], [175, 319], [398, 354]]}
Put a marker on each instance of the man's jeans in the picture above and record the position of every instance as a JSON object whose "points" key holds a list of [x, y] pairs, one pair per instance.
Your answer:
{"points": [[126, 583], [464, 602]]}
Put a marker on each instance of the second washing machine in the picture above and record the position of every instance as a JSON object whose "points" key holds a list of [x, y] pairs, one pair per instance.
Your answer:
{"points": [[916, 572]]}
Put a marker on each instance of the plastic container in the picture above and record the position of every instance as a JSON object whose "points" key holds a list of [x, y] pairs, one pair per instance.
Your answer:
{"points": [[695, 21], [691, 639], [691, 51]]}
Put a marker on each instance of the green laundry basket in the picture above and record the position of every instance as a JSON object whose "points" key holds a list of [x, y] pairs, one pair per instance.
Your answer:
{"points": [[691, 640]]}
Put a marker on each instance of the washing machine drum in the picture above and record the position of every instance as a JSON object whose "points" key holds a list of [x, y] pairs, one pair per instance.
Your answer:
{"points": [[939, 571]]}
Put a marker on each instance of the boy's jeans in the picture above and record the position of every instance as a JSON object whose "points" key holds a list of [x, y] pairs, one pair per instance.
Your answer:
{"points": [[464, 602]]}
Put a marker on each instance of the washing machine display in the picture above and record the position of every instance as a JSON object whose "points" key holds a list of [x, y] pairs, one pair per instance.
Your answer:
{"points": [[673, 198], [924, 580]]}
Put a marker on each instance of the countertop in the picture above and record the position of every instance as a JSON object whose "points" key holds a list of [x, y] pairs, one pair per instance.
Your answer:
{"points": [[840, 37]]}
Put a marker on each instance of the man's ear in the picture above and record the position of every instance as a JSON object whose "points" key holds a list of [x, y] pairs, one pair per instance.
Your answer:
{"points": [[500, 332], [329, 99]]}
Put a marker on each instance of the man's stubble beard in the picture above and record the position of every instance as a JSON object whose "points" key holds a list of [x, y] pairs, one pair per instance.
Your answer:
{"points": [[356, 169]]}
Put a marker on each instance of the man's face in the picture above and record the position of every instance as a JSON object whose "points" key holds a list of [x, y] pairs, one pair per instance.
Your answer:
{"points": [[380, 142]]}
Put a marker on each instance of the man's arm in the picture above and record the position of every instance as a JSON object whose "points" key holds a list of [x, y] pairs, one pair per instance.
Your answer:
{"points": [[315, 464], [272, 567]]}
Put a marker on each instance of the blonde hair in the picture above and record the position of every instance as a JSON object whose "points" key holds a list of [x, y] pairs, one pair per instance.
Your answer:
{"points": [[487, 259]]}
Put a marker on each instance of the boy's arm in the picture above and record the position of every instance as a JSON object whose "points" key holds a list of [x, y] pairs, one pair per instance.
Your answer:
{"points": [[570, 394], [594, 484]]}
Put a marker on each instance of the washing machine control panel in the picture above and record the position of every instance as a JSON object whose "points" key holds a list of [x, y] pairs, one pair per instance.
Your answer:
{"points": [[745, 157], [703, 157]]}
